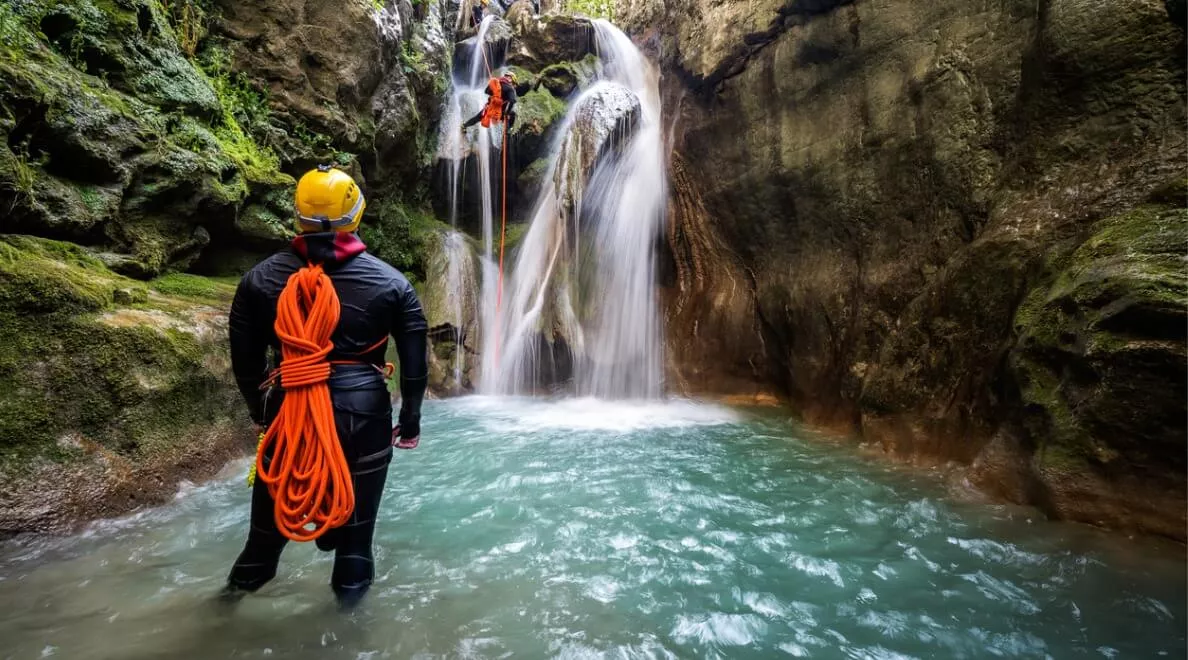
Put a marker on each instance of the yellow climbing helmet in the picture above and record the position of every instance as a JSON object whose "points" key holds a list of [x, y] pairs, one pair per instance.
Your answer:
{"points": [[510, 75], [328, 200]]}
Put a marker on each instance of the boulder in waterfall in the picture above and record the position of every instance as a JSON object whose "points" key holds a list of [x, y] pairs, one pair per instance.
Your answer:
{"points": [[602, 119], [543, 40]]}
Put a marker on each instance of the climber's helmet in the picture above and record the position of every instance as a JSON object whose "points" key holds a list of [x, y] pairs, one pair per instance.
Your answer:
{"points": [[510, 76], [328, 200]]}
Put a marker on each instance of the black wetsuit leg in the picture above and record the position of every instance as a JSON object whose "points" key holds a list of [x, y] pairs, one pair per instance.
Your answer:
{"points": [[363, 417], [363, 414], [475, 119]]}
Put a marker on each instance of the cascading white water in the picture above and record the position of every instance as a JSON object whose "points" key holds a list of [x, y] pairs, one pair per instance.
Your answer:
{"points": [[595, 298], [626, 195], [454, 145]]}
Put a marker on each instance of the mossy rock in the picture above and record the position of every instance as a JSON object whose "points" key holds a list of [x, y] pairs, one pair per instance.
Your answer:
{"points": [[113, 138], [401, 235], [42, 276], [564, 78], [1101, 356], [99, 372], [537, 113]]}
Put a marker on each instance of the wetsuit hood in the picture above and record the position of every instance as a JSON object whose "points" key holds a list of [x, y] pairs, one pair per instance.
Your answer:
{"points": [[330, 247]]}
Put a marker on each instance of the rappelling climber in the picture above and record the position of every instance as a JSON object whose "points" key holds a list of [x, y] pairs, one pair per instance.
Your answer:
{"points": [[501, 106], [327, 307]]}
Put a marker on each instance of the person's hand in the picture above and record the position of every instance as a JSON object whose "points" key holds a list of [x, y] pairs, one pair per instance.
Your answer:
{"points": [[401, 442]]}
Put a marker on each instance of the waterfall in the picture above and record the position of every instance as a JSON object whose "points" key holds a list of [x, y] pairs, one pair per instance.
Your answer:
{"points": [[591, 298], [466, 97]]}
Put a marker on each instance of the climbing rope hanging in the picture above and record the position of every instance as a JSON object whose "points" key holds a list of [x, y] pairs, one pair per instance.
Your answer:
{"points": [[308, 475]]}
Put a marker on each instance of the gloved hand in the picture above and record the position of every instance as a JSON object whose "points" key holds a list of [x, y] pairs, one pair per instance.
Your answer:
{"points": [[406, 437]]}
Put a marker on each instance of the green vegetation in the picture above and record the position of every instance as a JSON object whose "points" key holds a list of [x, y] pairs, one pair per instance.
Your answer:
{"points": [[207, 289], [401, 236], [537, 111], [1096, 330], [592, 8], [73, 361], [242, 105]]}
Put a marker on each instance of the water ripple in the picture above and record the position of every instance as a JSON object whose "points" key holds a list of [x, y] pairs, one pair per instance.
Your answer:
{"points": [[577, 529]]}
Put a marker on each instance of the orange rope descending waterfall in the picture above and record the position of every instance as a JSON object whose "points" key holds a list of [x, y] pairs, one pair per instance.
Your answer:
{"points": [[503, 224], [308, 478]]}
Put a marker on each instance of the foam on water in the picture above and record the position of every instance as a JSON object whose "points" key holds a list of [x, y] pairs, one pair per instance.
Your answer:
{"points": [[502, 414], [581, 528]]}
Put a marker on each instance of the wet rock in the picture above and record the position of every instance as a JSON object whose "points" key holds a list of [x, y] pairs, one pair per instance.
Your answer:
{"points": [[603, 118], [98, 394], [450, 299], [888, 184], [497, 38], [540, 41], [1100, 363], [564, 78]]}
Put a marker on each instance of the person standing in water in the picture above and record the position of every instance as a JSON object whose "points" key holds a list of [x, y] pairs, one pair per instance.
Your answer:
{"points": [[326, 307]]}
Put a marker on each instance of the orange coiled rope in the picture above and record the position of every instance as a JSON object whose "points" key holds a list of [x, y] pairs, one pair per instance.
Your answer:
{"points": [[308, 478]]}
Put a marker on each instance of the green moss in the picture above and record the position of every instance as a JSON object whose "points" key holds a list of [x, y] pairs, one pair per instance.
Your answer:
{"points": [[184, 285], [399, 235], [39, 275], [515, 233], [1108, 310], [525, 79], [537, 111], [260, 164], [142, 385], [562, 78]]}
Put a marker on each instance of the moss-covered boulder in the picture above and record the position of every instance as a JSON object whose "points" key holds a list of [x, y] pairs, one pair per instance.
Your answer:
{"points": [[564, 78], [115, 139], [537, 114], [114, 389], [540, 41], [1101, 366]]}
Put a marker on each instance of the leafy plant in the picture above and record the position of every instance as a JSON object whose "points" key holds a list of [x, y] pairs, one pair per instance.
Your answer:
{"points": [[188, 18], [593, 8]]}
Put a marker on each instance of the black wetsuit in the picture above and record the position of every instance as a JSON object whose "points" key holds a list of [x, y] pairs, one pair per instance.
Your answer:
{"points": [[508, 91], [376, 301]]}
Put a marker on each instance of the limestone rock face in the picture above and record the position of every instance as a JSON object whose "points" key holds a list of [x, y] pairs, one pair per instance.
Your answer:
{"points": [[149, 138], [884, 185], [167, 135]]}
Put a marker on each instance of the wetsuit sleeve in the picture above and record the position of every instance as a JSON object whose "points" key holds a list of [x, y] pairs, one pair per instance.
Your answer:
{"points": [[409, 330], [249, 346]]}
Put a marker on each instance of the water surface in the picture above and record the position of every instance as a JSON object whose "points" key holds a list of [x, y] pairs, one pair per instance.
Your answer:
{"points": [[580, 529]]}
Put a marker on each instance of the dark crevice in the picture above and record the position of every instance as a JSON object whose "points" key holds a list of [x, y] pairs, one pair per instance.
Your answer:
{"points": [[793, 13]]}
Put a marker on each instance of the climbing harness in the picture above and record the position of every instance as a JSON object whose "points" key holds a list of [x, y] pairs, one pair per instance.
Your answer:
{"points": [[307, 473]]}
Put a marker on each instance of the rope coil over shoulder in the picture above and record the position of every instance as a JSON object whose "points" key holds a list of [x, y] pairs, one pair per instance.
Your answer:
{"points": [[308, 477]]}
